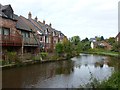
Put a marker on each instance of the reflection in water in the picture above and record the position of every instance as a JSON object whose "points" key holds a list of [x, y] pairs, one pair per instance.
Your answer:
{"points": [[63, 74]]}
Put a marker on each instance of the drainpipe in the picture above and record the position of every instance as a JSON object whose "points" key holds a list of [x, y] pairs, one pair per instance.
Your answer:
{"points": [[22, 46]]}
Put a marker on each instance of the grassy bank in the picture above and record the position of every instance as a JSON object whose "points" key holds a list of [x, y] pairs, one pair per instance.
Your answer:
{"points": [[102, 52]]}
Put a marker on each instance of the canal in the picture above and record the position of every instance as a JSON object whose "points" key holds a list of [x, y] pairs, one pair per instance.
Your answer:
{"points": [[63, 74]]}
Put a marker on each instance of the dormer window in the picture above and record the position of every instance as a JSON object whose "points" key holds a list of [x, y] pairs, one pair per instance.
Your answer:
{"points": [[59, 34], [11, 16], [8, 11], [46, 32]]}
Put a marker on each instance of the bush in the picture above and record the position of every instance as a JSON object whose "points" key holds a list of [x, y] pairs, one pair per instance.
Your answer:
{"points": [[43, 55], [59, 48], [113, 82], [3, 62], [12, 57]]}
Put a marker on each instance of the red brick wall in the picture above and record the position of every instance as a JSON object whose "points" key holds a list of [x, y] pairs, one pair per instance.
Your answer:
{"points": [[8, 23]]}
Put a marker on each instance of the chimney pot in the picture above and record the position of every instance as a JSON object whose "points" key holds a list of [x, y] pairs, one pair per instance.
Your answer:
{"points": [[50, 24], [29, 15], [43, 21], [36, 18]]}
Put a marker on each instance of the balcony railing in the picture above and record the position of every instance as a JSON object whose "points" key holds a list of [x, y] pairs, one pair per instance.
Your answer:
{"points": [[30, 41], [10, 40]]}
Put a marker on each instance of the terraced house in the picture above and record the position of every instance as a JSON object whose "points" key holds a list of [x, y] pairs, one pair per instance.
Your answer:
{"points": [[26, 35], [10, 37]]}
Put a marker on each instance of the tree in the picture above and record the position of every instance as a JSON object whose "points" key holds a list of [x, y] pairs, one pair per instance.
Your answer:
{"points": [[75, 40], [116, 47], [101, 38], [111, 40], [85, 40], [59, 48], [86, 46]]}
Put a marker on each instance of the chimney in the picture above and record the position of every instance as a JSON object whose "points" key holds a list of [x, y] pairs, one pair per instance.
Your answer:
{"points": [[43, 21], [50, 25], [36, 18], [29, 15]]}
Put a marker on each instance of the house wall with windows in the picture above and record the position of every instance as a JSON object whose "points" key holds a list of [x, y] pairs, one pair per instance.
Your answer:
{"points": [[10, 36], [18, 32]]}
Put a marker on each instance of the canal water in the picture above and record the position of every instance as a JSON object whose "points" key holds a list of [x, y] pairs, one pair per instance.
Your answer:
{"points": [[63, 74]]}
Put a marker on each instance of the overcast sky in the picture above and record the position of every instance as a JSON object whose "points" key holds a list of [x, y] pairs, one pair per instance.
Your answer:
{"points": [[85, 18]]}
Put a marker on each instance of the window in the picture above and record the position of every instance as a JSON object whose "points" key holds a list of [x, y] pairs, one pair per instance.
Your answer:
{"points": [[47, 41], [46, 31], [40, 38], [25, 34], [4, 31], [54, 33]]}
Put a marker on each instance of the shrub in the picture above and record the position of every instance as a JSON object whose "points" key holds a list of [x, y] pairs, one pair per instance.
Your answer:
{"points": [[59, 48], [12, 57], [43, 55]]}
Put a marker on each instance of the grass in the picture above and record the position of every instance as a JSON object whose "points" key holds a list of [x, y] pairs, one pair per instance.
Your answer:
{"points": [[102, 52]]}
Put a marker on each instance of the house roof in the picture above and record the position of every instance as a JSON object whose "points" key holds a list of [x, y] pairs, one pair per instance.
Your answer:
{"points": [[118, 35], [42, 25], [2, 14], [29, 24], [8, 8], [92, 39], [21, 24], [36, 24]]}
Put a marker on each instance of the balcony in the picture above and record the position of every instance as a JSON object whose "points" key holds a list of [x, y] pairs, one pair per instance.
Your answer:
{"points": [[30, 42], [10, 40]]}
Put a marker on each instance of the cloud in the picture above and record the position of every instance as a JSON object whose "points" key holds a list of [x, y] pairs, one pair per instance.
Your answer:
{"points": [[85, 18]]}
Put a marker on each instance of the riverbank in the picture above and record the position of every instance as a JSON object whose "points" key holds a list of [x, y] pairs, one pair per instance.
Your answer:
{"points": [[106, 53], [29, 62], [29, 59]]}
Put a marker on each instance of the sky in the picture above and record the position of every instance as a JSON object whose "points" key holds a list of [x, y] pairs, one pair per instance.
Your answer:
{"points": [[85, 18]]}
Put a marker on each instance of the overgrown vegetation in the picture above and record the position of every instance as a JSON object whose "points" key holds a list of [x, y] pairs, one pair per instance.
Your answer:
{"points": [[113, 82]]}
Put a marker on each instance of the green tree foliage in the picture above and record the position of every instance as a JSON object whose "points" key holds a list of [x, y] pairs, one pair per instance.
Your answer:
{"points": [[111, 40], [86, 46], [85, 40], [75, 40], [116, 47], [67, 48], [101, 38], [59, 48]]}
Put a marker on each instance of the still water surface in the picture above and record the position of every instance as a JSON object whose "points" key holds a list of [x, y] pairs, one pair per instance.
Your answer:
{"points": [[62, 74]]}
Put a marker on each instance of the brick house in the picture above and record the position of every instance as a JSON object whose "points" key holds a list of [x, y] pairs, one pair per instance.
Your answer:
{"points": [[10, 37], [30, 44], [118, 37], [26, 35], [101, 44]]}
